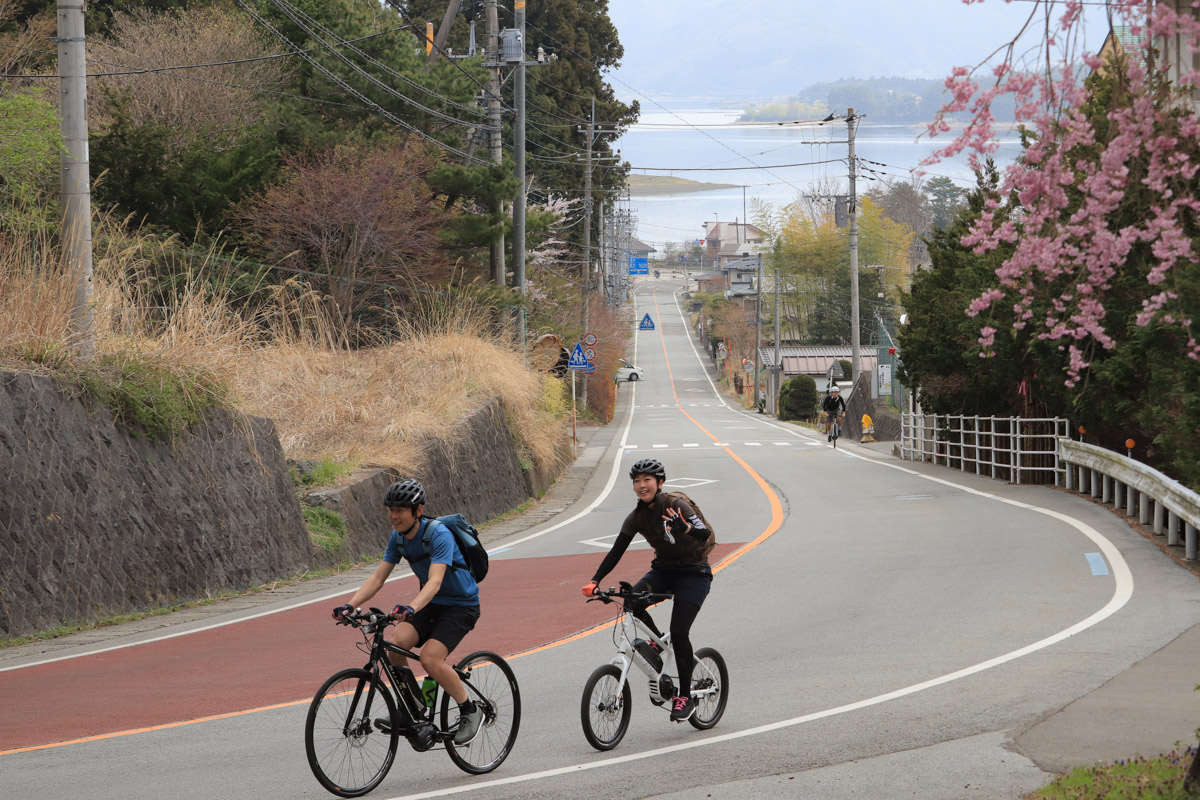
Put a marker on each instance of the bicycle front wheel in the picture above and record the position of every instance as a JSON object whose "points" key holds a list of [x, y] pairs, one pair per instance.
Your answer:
{"points": [[347, 754], [491, 684], [710, 688], [606, 708]]}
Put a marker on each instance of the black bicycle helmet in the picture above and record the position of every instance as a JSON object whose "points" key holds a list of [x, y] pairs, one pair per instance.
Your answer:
{"points": [[405, 494], [648, 466]]}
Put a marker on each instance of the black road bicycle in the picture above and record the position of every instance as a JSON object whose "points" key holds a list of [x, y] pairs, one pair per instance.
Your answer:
{"points": [[349, 753], [607, 702], [835, 430]]}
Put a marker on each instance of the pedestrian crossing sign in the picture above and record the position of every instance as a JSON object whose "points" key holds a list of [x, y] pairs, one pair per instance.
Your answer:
{"points": [[647, 323], [578, 359]]}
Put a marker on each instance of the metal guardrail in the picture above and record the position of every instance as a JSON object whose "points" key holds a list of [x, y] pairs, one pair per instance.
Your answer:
{"points": [[1016, 449], [1115, 479]]}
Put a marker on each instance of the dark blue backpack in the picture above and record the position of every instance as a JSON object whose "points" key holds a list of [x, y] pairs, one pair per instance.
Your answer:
{"points": [[468, 544]]}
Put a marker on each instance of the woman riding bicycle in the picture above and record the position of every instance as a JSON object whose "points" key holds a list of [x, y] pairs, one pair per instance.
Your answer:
{"points": [[681, 543]]}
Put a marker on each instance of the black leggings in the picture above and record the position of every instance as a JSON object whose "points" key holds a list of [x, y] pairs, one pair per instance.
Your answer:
{"points": [[683, 614]]}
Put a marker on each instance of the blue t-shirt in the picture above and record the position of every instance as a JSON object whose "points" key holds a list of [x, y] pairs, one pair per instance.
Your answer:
{"points": [[458, 587]]}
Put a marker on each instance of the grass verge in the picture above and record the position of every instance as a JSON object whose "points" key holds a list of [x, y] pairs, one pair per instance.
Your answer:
{"points": [[1159, 778]]}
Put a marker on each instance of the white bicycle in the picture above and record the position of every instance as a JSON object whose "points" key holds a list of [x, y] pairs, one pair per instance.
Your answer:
{"points": [[607, 701]]}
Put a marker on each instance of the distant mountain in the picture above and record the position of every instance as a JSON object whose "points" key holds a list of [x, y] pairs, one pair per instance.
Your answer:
{"points": [[882, 100]]}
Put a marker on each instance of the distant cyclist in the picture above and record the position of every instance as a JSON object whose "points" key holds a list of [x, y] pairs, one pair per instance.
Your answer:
{"points": [[835, 409], [680, 566], [445, 609]]}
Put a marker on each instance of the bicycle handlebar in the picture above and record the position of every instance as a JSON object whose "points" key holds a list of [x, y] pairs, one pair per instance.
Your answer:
{"points": [[626, 592], [372, 620]]}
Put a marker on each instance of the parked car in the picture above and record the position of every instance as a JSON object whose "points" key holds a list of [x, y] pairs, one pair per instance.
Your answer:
{"points": [[628, 372]]}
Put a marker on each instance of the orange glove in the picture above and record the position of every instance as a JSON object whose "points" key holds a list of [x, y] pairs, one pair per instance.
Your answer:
{"points": [[590, 589]]}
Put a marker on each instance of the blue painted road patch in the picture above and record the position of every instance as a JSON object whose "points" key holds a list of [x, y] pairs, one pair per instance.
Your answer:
{"points": [[1099, 567]]}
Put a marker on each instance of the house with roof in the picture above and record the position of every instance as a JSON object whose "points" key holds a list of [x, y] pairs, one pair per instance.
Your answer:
{"points": [[639, 249], [725, 242], [815, 360]]}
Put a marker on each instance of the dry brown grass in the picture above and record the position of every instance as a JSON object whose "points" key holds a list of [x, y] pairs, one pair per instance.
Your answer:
{"points": [[368, 405]]}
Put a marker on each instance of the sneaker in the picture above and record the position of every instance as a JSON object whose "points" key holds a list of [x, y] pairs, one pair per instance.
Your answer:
{"points": [[682, 709], [469, 719]]}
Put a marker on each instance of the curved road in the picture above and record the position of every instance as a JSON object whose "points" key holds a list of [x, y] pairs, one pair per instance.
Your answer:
{"points": [[889, 628]]}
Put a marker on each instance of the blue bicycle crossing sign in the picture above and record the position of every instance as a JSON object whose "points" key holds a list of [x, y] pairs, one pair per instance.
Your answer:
{"points": [[578, 360], [647, 324]]}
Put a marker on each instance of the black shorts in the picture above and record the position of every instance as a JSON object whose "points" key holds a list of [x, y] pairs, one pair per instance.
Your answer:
{"points": [[690, 584], [446, 624]]}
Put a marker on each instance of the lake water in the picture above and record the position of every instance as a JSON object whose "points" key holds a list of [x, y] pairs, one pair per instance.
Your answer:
{"points": [[682, 141]]}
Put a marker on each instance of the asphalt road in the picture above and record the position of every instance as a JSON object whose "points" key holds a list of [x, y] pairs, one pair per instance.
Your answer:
{"points": [[889, 629]]}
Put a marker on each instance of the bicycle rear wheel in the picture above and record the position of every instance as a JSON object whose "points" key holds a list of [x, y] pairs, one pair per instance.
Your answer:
{"points": [[606, 708], [347, 755], [493, 687], [710, 688]]}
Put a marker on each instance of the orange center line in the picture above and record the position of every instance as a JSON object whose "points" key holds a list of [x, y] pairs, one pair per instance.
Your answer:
{"points": [[772, 498]]}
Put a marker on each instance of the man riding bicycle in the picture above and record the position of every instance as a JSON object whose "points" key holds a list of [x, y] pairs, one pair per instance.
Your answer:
{"points": [[835, 408], [680, 566], [445, 609]]}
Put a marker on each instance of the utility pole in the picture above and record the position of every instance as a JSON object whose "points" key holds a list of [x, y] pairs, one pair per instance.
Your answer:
{"points": [[587, 234], [855, 359], [519, 157], [493, 117], [439, 41], [757, 327], [76, 174], [600, 250], [778, 366]]}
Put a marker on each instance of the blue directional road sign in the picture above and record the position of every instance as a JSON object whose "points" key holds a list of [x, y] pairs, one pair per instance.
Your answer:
{"points": [[639, 266], [578, 359], [647, 324]]}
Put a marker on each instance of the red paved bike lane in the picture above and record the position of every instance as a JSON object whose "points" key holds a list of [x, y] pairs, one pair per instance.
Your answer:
{"points": [[282, 658]]}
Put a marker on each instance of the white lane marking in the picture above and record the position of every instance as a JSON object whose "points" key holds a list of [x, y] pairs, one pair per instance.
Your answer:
{"points": [[662, 445], [1122, 591], [691, 444], [753, 444]]}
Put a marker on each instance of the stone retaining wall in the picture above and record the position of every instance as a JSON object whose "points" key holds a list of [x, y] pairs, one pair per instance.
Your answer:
{"points": [[479, 476], [95, 522]]}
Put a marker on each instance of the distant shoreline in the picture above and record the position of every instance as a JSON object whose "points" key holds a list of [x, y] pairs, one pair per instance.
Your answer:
{"points": [[655, 184]]}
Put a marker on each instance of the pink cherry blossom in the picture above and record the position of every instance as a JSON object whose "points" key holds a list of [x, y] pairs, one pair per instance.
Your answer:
{"points": [[1063, 228]]}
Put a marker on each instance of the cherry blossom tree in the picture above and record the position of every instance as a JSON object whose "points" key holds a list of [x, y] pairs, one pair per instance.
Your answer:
{"points": [[1058, 207]]}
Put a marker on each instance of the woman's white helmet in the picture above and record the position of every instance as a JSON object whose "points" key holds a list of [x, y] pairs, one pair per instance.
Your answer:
{"points": [[834, 388]]}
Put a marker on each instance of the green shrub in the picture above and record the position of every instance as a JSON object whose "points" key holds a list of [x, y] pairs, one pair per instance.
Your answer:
{"points": [[326, 528], [798, 398], [321, 473], [1138, 778], [146, 394]]}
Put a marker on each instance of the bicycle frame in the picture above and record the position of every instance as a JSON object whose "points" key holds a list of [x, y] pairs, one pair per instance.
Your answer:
{"points": [[410, 703], [624, 659]]}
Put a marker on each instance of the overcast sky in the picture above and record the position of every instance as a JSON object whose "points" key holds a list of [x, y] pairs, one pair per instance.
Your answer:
{"points": [[752, 50]]}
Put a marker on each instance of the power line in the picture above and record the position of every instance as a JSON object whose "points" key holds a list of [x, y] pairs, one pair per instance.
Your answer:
{"points": [[649, 99], [351, 90], [308, 24], [739, 169]]}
